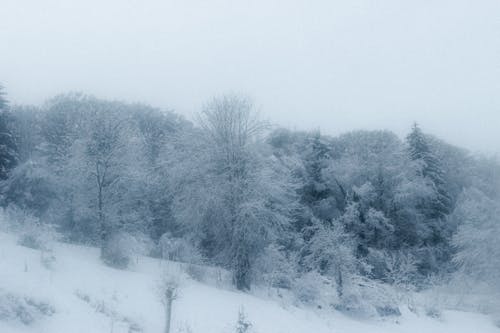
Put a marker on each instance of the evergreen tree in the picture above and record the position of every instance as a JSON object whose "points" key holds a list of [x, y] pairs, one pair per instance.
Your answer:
{"points": [[8, 151], [320, 199], [315, 158], [431, 207], [420, 151]]}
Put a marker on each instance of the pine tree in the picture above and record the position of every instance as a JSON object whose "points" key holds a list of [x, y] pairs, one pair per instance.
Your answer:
{"points": [[316, 153], [431, 207], [8, 151], [420, 151], [320, 199]]}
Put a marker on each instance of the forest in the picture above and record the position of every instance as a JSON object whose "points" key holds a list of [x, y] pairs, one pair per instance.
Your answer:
{"points": [[298, 211]]}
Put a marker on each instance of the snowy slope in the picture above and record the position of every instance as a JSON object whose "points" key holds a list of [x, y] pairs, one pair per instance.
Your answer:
{"points": [[90, 297]]}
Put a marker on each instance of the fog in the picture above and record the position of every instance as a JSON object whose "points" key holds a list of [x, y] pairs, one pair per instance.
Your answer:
{"points": [[328, 65]]}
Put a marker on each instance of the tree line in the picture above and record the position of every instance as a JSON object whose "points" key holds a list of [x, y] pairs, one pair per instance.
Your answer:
{"points": [[268, 204]]}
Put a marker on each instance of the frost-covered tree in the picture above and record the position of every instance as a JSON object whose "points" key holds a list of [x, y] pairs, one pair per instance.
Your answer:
{"points": [[370, 226], [92, 151], [62, 123], [431, 204], [316, 155], [429, 167], [159, 134], [232, 126], [276, 267], [8, 148], [367, 163], [323, 200], [26, 122], [331, 252], [113, 166], [236, 196], [270, 207], [29, 187], [61, 128], [103, 151], [476, 241]]}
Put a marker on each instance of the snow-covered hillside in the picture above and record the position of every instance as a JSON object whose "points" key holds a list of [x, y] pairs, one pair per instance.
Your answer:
{"points": [[79, 294]]}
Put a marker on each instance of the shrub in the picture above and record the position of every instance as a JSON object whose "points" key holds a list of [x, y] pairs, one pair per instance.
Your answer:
{"points": [[48, 259], [143, 244], [23, 309], [274, 269], [30, 239], [30, 187], [196, 272], [368, 298], [178, 249], [243, 325], [314, 289], [118, 250], [361, 297], [433, 312], [33, 233]]}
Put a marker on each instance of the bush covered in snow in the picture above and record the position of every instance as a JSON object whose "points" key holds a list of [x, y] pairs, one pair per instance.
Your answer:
{"points": [[23, 309], [38, 236], [243, 325], [274, 269], [315, 289], [32, 232], [196, 272], [368, 298], [178, 249], [118, 250], [360, 297]]}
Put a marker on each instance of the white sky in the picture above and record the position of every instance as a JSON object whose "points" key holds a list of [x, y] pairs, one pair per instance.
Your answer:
{"points": [[308, 64]]}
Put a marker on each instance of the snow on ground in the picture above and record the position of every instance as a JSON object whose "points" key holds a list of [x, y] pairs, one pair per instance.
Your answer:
{"points": [[90, 297]]}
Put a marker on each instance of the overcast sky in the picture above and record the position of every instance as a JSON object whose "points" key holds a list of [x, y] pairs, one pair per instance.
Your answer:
{"points": [[308, 64]]}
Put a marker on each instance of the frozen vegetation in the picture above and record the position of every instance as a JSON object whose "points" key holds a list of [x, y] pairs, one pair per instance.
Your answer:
{"points": [[80, 294], [122, 217]]}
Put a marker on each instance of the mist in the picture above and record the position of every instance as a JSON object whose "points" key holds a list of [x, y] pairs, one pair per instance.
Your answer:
{"points": [[142, 188], [329, 65]]}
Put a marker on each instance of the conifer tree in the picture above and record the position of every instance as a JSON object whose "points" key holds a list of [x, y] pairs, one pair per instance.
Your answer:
{"points": [[8, 151], [420, 151]]}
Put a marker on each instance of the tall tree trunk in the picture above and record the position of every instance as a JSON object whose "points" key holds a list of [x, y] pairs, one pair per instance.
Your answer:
{"points": [[241, 269], [100, 214], [340, 283]]}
